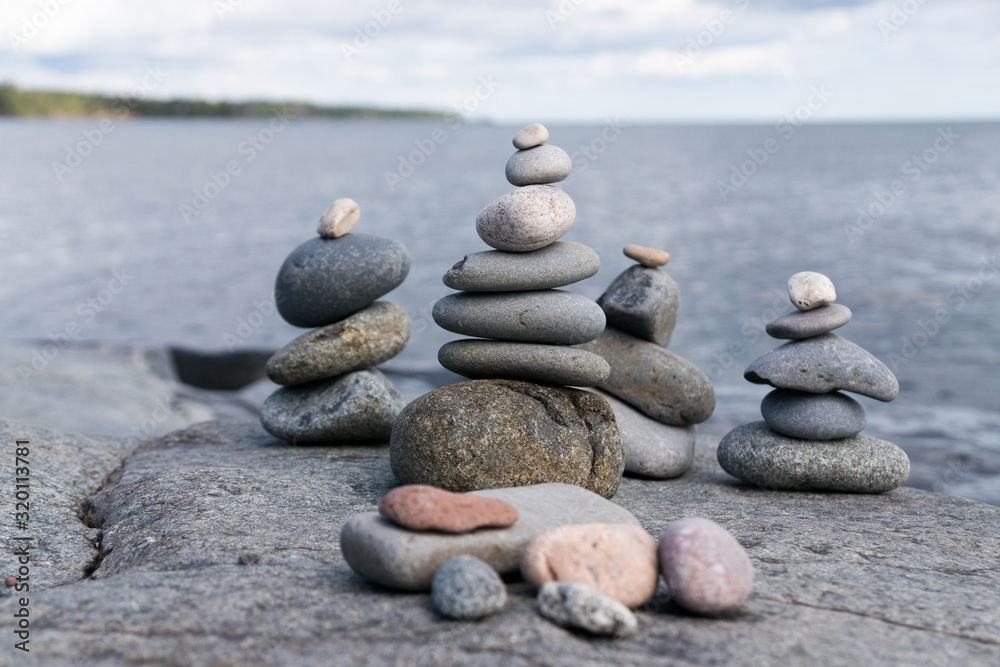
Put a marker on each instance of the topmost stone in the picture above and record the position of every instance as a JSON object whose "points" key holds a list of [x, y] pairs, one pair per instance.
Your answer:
{"points": [[531, 136], [649, 257], [341, 217], [809, 290]]}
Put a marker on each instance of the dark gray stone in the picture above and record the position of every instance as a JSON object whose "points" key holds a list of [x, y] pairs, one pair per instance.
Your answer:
{"points": [[800, 324], [557, 265], [799, 414], [668, 388], [577, 606], [324, 280], [552, 317], [861, 464], [539, 165], [822, 364], [388, 555], [643, 302], [356, 407], [492, 434], [530, 362], [465, 588], [367, 338]]}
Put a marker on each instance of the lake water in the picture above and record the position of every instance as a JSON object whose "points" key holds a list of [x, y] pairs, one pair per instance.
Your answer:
{"points": [[117, 245]]}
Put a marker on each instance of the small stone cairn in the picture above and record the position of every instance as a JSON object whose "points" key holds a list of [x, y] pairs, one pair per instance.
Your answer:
{"points": [[331, 393], [810, 438]]}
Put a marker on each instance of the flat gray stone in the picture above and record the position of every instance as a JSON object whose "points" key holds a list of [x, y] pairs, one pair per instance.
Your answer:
{"points": [[652, 449], [385, 554], [491, 434], [643, 302], [539, 165], [800, 324], [532, 135], [799, 414], [324, 280], [530, 362], [668, 388], [557, 265], [861, 464], [526, 219], [822, 364], [466, 588], [367, 338], [356, 407], [553, 317], [577, 606]]}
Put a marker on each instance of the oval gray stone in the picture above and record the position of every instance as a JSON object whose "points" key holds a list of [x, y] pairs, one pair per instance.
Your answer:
{"points": [[574, 605], [356, 407], [822, 364], [643, 302], [466, 588], [557, 265], [668, 388], [532, 135], [324, 280], [800, 324], [531, 362], [862, 464], [799, 414], [539, 165], [491, 434], [526, 219], [367, 338], [547, 316]]}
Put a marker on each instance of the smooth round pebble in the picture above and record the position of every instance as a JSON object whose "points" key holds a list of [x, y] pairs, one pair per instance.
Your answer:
{"points": [[526, 219], [423, 507], [557, 265], [530, 136], [706, 569], [530, 362], [809, 290], [577, 606], [465, 589], [800, 414], [799, 324], [339, 218], [649, 257], [616, 560], [538, 166]]}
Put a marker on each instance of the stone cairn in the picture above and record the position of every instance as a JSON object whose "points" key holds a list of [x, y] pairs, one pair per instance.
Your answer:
{"points": [[810, 438], [516, 423], [331, 392]]}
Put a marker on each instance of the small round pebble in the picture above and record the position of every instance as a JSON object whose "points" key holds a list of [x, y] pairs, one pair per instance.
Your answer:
{"points": [[650, 257], [423, 507], [538, 166], [530, 136], [10, 581], [465, 588], [577, 606], [809, 290], [706, 569], [341, 217], [526, 219]]}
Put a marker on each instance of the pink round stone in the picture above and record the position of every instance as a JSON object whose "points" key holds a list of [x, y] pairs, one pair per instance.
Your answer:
{"points": [[422, 507], [706, 569]]}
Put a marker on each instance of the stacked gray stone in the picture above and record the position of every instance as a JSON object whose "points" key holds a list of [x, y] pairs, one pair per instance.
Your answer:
{"points": [[810, 438], [331, 393]]}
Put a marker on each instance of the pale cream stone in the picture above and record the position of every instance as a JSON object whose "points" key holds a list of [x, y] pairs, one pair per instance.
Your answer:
{"points": [[341, 217]]}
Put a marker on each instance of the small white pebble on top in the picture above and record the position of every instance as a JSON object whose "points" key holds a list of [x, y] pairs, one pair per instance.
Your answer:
{"points": [[808, 290], [341, 217], [531, 136]]}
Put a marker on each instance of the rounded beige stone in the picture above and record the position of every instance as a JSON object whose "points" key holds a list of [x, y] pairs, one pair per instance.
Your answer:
{"points": [[530, 136], [808, 290], [526, 219], [339, 218], [649, 257]]}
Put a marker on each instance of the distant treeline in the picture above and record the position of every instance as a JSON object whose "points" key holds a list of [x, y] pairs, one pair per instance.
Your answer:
{"points": [[44, 103]]}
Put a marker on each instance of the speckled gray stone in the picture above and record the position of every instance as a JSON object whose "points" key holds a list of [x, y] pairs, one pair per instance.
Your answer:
{"points": [[492, 434], [824, 363], [577, 606], [526, 219], [324, 280], [357, 407], [367, 338], [557, 265], [800, 324], [532, 135], [668, 388], [531, 362], [539, 165], [544, 316], [644, 302], [800, 414], [862, 464], [652, 449], [466, 588]]}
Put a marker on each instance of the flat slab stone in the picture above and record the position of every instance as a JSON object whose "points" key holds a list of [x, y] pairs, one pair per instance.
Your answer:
{"points": [[824, 363], [530, 362], [388, 555], [551, 317], [643, 302], [799, 414], [557, 265], [800, 324]]}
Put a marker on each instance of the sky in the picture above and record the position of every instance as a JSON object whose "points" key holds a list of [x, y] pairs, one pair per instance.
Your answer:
{"points": [[513, 61]]}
